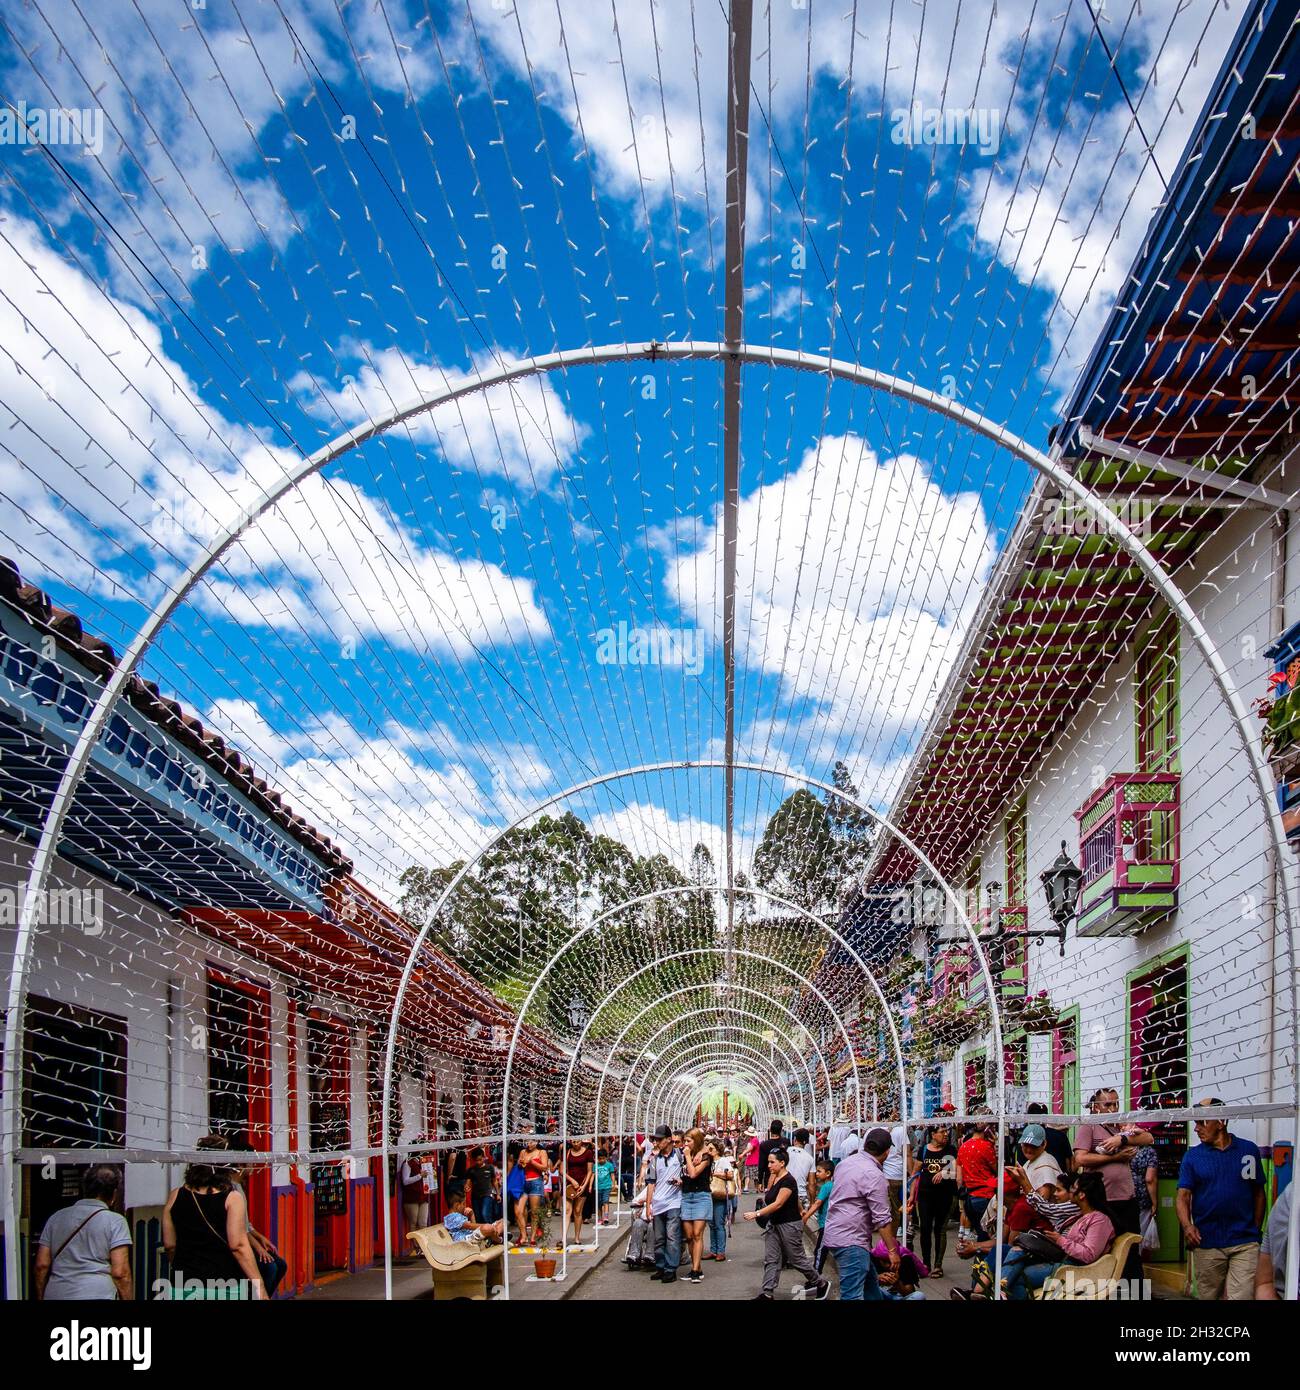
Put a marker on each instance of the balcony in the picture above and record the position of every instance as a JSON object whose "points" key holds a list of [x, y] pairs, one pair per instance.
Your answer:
{"points": [[1128, 852]]}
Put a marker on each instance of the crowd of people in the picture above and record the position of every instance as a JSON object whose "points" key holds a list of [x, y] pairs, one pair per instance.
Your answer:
{"points": [[818, 1195], [1063, 1201]]}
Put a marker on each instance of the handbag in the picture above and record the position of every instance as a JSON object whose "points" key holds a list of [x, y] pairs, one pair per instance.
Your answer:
{"points": [[718, 1189], [1037, 1245], [1150, 1233]]}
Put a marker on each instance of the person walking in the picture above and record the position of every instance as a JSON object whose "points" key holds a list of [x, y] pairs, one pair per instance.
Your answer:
{"points": [[858, 1209], [205, 1234], [750, 1165], [580, 1179], [664, 1204], [628, 1162], [935, 1194], [697, 1200], [800, 1167], [1220, 1207], [722, 1189], [536, 1165], [517, 1194], [896, 1167], [824, 1178], [779, 1216], [84, 1251], [775, 1139]]}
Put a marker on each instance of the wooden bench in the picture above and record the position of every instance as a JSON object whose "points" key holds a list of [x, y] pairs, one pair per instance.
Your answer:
{"points": [[461, 1268], [1090, 1283]]}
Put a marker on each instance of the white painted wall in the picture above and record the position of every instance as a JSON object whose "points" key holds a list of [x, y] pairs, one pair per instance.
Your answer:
{"points": [[1223, 902]]}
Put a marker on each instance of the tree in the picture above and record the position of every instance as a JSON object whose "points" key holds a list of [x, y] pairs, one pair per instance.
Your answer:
{"points": [[853, 830], [701, 869], [797, 857]]}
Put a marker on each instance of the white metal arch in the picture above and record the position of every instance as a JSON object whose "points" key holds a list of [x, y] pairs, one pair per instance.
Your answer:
{"points": [[690, 989], [790, 906], [595, 1012], [791, 1051], [792, 1057], [684, 1050], [649, 1100], [718, 1028], [506, 373], [704, 1042], [655, 965], [648, 1096]]}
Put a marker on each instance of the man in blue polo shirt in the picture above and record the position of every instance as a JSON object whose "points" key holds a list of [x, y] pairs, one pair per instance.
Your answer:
{"points": [[1221, 1209]]}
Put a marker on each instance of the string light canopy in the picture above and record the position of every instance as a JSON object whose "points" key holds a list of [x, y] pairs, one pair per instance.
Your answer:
{"points": [[418, 412]]}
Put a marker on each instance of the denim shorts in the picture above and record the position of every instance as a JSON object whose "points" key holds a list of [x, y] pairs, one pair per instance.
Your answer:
{"points": [[697, 1206], [534, 1187]]}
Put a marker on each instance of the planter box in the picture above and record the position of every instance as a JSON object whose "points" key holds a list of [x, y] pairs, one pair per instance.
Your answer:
{"points": [[1284, 653]]}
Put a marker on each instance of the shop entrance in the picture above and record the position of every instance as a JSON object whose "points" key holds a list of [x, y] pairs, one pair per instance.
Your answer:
{"points": [[239, 1078], [329, 1081]]}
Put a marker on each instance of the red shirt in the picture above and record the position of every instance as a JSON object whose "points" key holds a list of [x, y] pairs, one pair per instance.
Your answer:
{"points": [[978, 1160]]}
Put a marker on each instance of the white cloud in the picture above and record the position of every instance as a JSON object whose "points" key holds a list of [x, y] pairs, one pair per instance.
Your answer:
{"points": [[648, 829], [521, 432], [1072, 219], [332, 560], [112, 425], [859, 637]]}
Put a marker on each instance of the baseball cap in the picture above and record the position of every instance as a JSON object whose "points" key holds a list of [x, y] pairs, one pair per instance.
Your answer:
{"points": [[663, 1132], [1033, 1134]]}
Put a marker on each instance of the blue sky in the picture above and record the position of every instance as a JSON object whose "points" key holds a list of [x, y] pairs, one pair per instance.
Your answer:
{"points": [[302, 213]]}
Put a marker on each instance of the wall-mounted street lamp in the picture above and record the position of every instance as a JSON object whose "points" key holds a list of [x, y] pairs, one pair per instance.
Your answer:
{"points": [[1061, 884]]}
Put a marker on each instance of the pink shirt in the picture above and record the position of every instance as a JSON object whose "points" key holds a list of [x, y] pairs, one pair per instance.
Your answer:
{"points": [[1086, 1239], [1117, 1176]]}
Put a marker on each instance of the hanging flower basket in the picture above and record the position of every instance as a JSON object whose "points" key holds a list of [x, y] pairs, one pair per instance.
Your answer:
{"points": [[944, 1026], [1036, 1014]]}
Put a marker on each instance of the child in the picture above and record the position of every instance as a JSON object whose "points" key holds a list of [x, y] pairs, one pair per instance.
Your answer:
{"points": [[817, 1208], [903, 1285], [640, 1245], [516, 1191], [604, 1186], [460, 1222]]}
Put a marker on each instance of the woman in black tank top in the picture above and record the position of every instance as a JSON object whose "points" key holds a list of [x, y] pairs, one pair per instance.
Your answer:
{"points": [[205, 1234]]}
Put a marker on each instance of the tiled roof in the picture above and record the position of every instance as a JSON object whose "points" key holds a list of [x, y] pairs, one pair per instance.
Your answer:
{"points": [[144, 696]]}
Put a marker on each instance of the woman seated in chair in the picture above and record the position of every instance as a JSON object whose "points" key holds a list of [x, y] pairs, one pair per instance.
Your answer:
{"points": [[1061, 1207], [1081, 1239]]}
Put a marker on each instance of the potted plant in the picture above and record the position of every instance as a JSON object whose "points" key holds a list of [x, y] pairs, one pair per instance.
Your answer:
{"points": [[1037, 1013]]}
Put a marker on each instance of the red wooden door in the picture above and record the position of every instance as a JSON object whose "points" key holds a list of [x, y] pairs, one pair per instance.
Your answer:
{"points": [[239, 1077]]}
